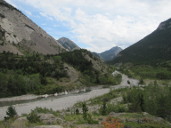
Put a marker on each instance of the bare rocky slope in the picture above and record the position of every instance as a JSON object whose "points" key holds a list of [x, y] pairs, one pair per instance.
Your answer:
{"points": [[68, 44], [18, 34]]}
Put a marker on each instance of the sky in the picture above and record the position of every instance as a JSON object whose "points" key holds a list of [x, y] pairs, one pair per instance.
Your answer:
{"points": [[97, 25]]}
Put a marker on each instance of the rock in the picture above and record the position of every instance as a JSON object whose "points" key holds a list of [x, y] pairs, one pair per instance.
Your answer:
{"points": [[145, 113], [20, 30], [49, 126], [112, 113], [56, 94], [158, 119], [115, 114], [49, 119], [45, 96], [116, 100], [68, 44], [93, 108]]}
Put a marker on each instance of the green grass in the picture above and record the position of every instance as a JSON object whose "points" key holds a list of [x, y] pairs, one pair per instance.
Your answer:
{"points": [[78, 119], [159, 72], [45, 110]]}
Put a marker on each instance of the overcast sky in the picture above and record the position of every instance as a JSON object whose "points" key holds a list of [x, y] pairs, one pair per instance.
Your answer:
{"points": [[97, 25]]}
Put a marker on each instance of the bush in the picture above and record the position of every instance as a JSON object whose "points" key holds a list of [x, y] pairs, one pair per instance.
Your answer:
{"points": [[90, 120], [163, 76], [152, 99], [33, 117], [85, 110], [103, 109], [115, 108], [11, 112], [45, 110]]}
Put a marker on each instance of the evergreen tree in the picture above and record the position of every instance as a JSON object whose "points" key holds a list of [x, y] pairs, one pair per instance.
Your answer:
{"points": [[104, 108], [11, 112], [85, 110]]}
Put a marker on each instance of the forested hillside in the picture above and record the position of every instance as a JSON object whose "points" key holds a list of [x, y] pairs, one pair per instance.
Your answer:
{"points": [[35, 73], [154, 48]]}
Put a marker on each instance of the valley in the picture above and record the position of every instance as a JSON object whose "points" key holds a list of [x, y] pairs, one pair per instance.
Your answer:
{"points": [[47, 82], [24, 104], [68, 108]]}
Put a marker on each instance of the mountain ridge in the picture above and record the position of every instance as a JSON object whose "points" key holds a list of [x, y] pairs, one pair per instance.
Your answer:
{"points": [[108, 55], [68, 44], [153, 48], [19, 34]]}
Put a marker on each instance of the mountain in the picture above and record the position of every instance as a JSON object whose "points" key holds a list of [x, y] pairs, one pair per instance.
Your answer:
{"points": [[18, 34], [50, 68], [110, 54], [68, 44], [156, 47]]}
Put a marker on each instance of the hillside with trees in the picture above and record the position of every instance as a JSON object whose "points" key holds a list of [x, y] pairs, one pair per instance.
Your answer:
{"points": [[35, 73], [154, 48]]}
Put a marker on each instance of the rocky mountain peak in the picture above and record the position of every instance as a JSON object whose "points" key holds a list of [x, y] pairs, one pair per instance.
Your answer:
{"points": [[18, 34], [165, 25], [68, 44]]}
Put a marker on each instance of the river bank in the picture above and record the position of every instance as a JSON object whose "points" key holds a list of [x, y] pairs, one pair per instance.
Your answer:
{"points": [[55, 103], [61, 101]]}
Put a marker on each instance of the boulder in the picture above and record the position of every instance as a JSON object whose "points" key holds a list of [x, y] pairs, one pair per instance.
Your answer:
{"points": [[49, 119], [49, 126]]}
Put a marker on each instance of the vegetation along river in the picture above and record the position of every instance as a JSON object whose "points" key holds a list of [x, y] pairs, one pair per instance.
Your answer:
{"points": [[56, 103], [60, 102]]}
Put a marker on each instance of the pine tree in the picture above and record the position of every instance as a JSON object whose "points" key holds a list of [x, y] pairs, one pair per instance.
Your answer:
{"points": [[11, 112], [85, 110]]}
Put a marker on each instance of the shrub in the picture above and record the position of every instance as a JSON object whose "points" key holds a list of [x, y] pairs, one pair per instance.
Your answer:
{"points": [[33, 117], [77, 111], [103, 108], [152, 99], [11, 112], [45, 110], [90, 120], [85, 110]]}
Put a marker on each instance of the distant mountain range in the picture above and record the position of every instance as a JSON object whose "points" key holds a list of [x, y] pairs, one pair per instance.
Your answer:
{"points": [[108, 55], [68, 44], [156, 47], [18, 34]]}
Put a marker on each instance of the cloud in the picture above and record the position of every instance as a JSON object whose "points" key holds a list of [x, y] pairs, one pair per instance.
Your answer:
{"points": [[99, 24]]}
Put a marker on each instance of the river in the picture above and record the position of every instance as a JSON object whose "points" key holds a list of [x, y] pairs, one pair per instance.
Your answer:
{"points": [[55, 103], [61, 102]]}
